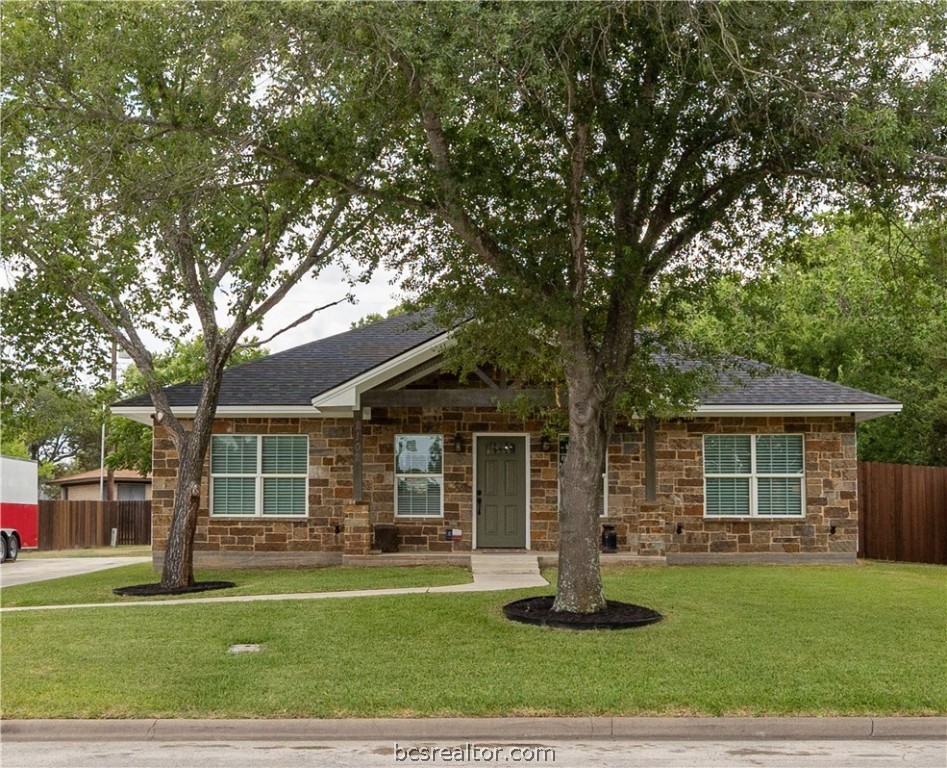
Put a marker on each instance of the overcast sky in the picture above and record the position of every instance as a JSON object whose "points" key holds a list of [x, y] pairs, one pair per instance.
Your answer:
{"points": [[378, 296]]}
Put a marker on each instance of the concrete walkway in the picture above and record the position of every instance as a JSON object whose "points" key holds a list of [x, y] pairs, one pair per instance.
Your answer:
{"points": [[491, 573], [29, 570], [500, 571]]}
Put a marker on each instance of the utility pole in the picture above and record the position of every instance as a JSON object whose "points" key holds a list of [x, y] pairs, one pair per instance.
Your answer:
{"points": [[107, 475]]}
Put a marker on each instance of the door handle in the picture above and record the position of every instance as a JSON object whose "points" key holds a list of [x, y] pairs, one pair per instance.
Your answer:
{"points": [[479, 500]]}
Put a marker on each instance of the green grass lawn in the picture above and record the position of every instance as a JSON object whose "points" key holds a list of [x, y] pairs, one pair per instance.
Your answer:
{"points": [[738, 640], [97, 587]]}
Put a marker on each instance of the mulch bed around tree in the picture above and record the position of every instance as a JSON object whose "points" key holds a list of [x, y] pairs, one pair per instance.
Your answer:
{"points": [[538, 610], [150, 590]]}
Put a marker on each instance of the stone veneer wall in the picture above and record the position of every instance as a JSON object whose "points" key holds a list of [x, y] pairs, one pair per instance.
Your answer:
{"points": [[830, 492], [645, 528], [330, 489]]}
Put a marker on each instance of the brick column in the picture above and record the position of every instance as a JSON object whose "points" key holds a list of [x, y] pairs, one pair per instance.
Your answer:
{"points": [[358, 530]]}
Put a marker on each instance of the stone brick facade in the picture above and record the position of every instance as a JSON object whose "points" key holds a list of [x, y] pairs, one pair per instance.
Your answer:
{"points": [[672, 525]]}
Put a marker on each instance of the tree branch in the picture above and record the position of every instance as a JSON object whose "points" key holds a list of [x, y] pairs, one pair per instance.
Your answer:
{"points": [[451, 209], [125, 333], [580, 144], [298, 321], [182, 246]]}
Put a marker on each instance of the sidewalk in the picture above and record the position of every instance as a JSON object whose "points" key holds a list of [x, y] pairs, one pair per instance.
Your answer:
{"points": [[491, 573], [463, 728]]}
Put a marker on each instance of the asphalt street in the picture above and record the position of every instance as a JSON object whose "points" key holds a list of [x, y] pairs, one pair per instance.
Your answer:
{"points": [[792, 742], [604, 753]]}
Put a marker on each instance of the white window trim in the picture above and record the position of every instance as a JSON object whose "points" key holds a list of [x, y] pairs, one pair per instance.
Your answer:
{"points": [[559, 479], [259, 477], [415, 475], [753, 477]]}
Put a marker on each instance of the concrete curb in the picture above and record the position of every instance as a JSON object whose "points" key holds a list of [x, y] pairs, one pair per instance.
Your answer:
{"points": [[455, 729]]}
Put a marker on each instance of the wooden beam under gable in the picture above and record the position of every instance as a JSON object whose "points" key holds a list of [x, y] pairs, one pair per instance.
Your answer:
{"points": [[485, 378], [450, 398]]}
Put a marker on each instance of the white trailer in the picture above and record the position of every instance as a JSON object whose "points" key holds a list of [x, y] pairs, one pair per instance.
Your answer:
{"points": [[19, 506]]}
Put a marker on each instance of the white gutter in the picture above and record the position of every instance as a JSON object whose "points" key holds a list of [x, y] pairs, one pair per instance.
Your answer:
{"points": [[861, 411], [143, 414]]}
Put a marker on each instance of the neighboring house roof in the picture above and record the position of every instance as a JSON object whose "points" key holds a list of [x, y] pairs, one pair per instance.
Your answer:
{"points": [[330, 374], [92, 476]]}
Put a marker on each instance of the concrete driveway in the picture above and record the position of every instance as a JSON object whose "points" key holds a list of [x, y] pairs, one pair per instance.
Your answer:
{"points": [[28, 570]]}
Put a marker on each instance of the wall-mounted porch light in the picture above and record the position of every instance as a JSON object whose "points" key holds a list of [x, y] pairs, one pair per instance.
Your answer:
{"points": [[544, 443], [458, 443]]}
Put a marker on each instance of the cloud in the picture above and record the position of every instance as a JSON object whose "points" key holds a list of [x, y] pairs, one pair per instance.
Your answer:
{"points": [[378, 296]]}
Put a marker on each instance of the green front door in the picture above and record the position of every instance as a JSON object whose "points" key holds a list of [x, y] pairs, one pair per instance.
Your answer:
{"points": [[501, 492]]}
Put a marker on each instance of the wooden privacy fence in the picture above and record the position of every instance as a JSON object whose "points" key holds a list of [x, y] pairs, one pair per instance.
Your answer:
{"points": [[79, 524], [902, 512]]}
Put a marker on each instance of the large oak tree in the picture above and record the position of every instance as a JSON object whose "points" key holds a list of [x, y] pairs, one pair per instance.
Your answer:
{"points": [[137, 196], [574, 168]]}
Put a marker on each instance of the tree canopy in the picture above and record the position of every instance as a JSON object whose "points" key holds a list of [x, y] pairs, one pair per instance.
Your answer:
{"points": [[573, 170], [861, 303], [46, 420], [139, 196]]}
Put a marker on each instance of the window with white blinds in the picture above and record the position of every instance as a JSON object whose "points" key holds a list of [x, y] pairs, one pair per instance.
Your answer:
{"points": [[259, 475], [419, 475], [754, 476]]}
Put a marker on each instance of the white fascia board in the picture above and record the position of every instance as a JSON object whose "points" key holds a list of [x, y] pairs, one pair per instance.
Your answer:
{"points": [[347, 395], [144, 414], [140, 414], [861, 411]]}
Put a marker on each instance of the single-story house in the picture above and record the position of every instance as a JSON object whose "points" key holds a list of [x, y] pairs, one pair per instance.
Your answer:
{"points": [[325, 451], [84, 486]]}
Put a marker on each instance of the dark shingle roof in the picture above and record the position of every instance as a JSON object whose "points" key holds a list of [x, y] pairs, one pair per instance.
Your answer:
{"points": [[773, 386], [297, 375]]}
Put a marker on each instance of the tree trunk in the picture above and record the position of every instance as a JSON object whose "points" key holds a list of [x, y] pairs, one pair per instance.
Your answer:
{"points": [[178, 570], [191, 446], [580, 580]]}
